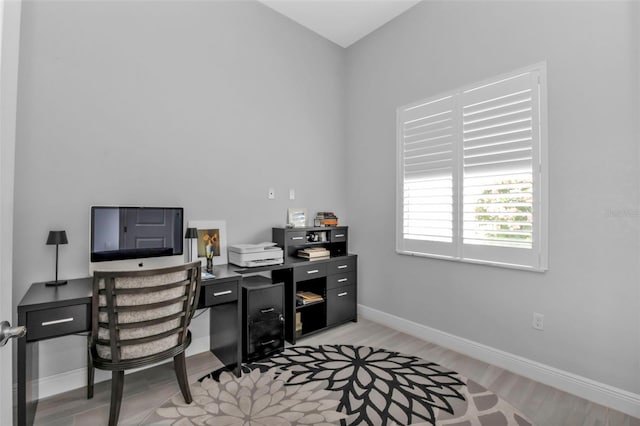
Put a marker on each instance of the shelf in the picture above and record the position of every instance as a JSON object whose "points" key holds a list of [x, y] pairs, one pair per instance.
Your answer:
{"points": [[298, 307], [334, 239], [295, 259]]}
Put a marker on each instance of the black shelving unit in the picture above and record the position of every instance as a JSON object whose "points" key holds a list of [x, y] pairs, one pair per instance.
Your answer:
{"points": [[291, 240], [334, 279]]}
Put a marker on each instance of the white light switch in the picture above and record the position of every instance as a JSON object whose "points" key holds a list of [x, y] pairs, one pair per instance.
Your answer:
{"points": [[271, 194], [292, 194]]}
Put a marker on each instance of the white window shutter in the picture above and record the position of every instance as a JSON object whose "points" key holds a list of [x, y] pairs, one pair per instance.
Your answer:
{"points": [[427, 177], [471, 173], [499, 138]]}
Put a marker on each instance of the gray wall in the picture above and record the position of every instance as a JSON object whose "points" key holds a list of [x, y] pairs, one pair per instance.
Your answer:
{"points": [[590, 295], [240, 99], [203, 105]]}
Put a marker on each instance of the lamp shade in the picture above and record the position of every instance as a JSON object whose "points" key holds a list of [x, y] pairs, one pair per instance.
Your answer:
{"points": [[191, 233], [57, 237]]}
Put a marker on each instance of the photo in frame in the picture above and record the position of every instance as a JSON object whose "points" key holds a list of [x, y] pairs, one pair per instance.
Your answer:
{"points": [[212, 240], [297, 217]]}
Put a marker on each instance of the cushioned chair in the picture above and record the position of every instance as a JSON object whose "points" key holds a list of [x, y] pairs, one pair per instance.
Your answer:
{"points": [[140, 318]]}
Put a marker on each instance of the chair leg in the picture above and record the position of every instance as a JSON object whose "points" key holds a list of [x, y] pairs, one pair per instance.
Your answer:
{"points": [[90, 369], [180, 366], [117, 386]]}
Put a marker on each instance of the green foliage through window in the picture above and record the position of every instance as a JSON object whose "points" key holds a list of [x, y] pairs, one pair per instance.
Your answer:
{"points": [[502, 214]]}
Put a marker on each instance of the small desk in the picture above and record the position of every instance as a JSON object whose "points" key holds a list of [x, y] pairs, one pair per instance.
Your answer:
{"points": [[50, 312]]}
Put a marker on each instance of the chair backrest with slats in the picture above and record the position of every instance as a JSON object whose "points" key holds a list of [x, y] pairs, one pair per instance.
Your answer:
{"points": [[142, 314]]}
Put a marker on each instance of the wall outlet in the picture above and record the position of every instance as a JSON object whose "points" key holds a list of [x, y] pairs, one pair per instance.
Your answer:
{"points": [[292, 194], [538, 321], [271, 194]]}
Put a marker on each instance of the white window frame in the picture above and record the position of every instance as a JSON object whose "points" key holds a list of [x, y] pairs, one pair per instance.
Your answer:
{"points": [[532, 259]]}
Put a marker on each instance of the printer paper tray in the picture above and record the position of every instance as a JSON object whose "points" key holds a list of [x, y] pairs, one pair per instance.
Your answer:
{"points": [[255, 263]]}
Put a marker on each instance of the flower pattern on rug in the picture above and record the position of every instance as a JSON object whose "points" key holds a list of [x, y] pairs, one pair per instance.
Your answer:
{"points": [[255, 399], [378, 387], [339, 385]]}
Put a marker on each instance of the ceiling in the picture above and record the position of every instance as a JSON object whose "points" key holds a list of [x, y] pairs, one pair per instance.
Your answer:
{"points": [[342, 21]]}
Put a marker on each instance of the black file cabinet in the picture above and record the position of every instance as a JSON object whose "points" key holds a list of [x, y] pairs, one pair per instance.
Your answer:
{"points": [[262, 318]]}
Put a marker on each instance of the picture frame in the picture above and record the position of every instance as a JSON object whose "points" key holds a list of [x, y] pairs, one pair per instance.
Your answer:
{"points": [[297, 217], [212, 235]]}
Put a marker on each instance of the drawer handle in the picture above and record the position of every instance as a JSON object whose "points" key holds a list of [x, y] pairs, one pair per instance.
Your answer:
{"points": [[60, 321], [339, 235], [342, 266], [222, 293], [341, 280], [266, 311], [344, 293], [296, 238], [268, 342], [313, 271]]}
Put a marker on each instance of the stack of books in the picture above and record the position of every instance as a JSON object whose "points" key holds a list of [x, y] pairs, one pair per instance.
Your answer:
{"points": [[326, 219], [307, 297], [314, 253]]}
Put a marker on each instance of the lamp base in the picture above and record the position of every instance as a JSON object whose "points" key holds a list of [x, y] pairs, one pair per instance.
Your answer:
{"points": [[55, 283]]}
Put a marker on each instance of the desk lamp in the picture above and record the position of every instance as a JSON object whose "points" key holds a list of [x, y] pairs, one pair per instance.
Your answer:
{"points": [[190, 235], [57, 238]]}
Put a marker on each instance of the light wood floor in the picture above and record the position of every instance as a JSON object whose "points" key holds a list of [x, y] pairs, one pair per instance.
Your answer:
{"points": [[148, 389]]}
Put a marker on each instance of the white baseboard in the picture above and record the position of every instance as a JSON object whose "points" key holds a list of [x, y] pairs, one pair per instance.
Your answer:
{"points": [[600, 393], [63, 382]]}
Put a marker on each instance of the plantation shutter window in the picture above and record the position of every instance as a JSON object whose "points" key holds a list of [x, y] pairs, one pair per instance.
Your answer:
{"points": [[471, 173], [428, 172]]}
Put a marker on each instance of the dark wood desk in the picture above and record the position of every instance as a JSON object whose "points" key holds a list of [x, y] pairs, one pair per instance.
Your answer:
{"points": [[50, 312]]}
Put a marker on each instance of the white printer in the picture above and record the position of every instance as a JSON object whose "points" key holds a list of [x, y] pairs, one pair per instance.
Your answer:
{"points": [[252, 255]]}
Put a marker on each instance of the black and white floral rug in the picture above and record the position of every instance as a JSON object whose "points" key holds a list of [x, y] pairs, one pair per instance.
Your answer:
{"points": [[339, 385]]}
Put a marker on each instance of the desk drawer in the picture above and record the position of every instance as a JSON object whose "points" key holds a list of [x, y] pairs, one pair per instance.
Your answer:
{"points": [[265, 337], [309, 271], [57, 321], [341, 265], [338, 235], [264, 301], [339, 280], [294, 238], [215, 294]]}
